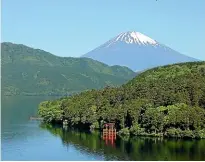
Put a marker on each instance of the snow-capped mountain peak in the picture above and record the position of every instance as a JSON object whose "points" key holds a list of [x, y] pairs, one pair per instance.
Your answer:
{"points": [[135, 37], [136, 51], [132, 37]]}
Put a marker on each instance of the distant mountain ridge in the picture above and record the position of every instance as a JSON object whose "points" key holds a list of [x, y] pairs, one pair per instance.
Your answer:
{"points": [[136, 51], [28, 71]]}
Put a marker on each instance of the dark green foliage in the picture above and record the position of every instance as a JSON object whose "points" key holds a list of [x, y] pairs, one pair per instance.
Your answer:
{"points": [[178, 83], [124, 132], [164, 101], [136, 130], [28, 71], [51, 111]]}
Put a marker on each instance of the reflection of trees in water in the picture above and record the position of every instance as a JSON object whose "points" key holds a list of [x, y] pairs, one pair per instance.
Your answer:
{"points": [[132, 149]]}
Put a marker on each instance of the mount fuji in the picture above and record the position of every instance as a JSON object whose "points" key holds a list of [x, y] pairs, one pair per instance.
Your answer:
{"points": [[136, 51]]}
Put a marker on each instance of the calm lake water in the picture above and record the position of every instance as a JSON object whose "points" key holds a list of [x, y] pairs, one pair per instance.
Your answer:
{"points": [[30, 140]]}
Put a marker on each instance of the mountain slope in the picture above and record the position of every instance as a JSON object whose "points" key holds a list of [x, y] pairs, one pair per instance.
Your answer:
{"points": [[164, 101], [31, 71], [136, 51]]}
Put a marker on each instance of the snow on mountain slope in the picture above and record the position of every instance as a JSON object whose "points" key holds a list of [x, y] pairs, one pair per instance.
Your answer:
{"points": [[136, 51], [134, 37]]}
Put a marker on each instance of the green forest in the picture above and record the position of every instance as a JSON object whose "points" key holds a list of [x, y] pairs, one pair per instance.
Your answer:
{"points": [[28, 71], [166, 101]]}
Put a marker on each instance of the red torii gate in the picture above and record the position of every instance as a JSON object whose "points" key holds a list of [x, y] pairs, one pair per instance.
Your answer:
{"points": [[109, 133]]}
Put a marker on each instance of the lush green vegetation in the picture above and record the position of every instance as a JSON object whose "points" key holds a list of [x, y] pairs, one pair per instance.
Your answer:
{"points": [[28, 71], [165, 101]]}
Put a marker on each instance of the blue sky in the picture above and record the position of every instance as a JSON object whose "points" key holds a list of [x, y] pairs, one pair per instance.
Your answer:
{"points": [[74, 27]]}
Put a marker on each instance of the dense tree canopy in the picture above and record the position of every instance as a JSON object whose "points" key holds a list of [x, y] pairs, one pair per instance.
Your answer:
{"points": [[164, 101]]}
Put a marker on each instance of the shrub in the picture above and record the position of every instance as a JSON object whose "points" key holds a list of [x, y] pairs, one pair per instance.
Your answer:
{"points": [[173, 132], [136, 130], [201, 133], [95, 125], [187, 134], [124, 132]]}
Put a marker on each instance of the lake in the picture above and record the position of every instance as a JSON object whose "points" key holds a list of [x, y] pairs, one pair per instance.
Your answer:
{"points": [[23, 139]]}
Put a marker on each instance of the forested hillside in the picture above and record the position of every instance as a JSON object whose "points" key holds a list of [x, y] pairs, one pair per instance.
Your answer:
{"points": [[164, 101], [28, 71]]}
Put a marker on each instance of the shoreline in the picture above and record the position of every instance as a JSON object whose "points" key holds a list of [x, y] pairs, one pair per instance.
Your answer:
{"points": [[145, 135]]}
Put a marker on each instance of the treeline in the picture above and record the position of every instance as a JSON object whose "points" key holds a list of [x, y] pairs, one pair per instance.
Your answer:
{"points": [[165, 101]]}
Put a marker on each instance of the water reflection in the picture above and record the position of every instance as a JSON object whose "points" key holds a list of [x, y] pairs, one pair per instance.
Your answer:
{"points": [[109, 134], [109, 140], [23, 139], [130, 149]]}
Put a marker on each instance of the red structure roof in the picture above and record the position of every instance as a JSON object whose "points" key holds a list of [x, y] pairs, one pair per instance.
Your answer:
{"points": [[109, 124]]}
